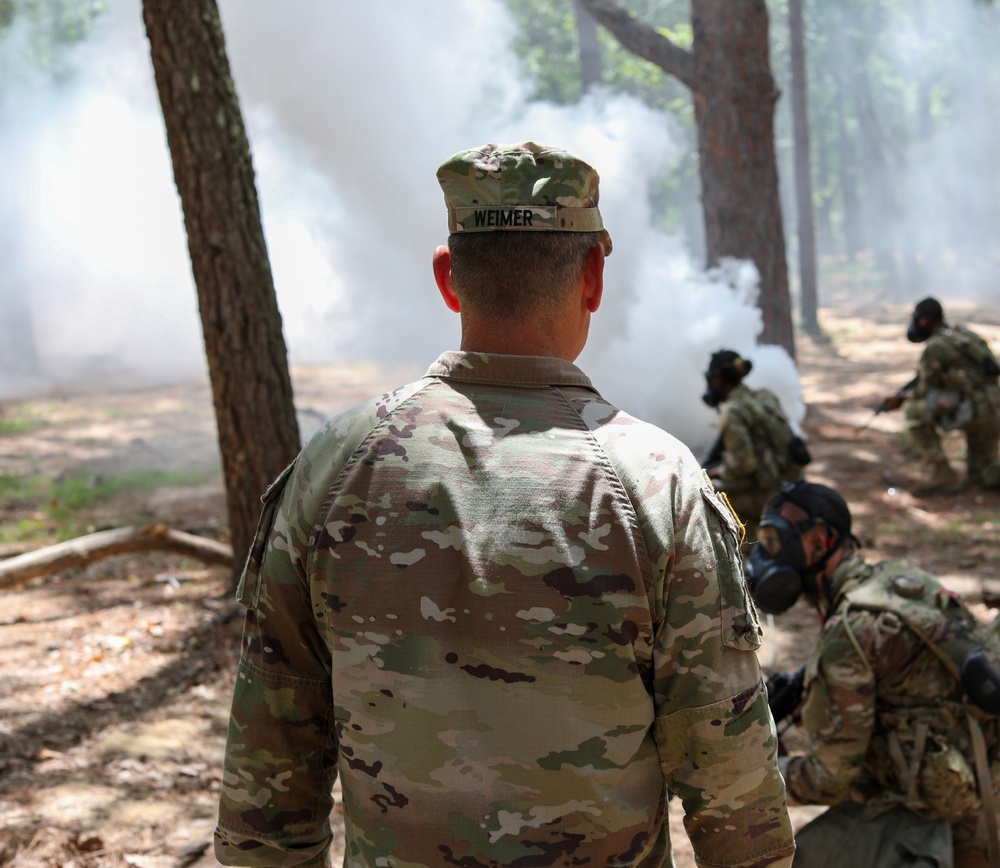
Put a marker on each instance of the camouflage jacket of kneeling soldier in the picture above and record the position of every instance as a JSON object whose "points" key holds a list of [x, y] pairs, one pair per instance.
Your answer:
{"points": [[887, 720], [955, 362]]}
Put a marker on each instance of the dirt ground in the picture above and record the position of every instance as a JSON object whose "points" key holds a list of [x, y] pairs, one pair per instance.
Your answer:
{"points": [[115, 679]]}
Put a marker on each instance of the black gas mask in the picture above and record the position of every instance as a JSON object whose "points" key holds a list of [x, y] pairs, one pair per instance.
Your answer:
{"points": [[918, 330], [776, 571], [713, 395], [926, 315], [726, 368]]}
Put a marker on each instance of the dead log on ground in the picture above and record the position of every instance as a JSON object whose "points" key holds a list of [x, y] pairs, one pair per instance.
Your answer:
{"points": [[84, 550]]}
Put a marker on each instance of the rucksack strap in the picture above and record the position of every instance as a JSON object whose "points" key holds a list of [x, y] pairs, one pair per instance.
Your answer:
{"points": [[908, 774], [986, 794]]}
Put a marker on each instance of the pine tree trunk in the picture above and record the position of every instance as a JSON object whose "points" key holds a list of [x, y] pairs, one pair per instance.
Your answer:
{"points": [[734, 98], [213, 171], [590, 50], [808, 301], [846, 161]]}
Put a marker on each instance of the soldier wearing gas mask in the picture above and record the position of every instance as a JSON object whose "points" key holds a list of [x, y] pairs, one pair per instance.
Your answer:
{"points": [[756, 450], [955, 388], [901, 697]]}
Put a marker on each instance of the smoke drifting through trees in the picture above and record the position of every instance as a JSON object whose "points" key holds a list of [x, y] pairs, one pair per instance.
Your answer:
{"points": [[905, 111], [350, 109]]}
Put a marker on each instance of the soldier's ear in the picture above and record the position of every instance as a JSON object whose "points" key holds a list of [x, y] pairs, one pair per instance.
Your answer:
{"points": [[442, 276], [817, 541], [593, 277], [827, 541]]}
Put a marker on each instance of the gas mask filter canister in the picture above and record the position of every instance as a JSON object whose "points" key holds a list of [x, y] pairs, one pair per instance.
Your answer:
{"points": [[776, 565]]}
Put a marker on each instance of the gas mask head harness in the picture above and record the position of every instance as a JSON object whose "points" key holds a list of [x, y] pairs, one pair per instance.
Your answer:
{"points": [[778, 571], [726, 369], [926, 315]]}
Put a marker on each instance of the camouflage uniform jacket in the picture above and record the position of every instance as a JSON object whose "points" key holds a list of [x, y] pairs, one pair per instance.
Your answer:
{"points": [[873, 686], [509, 616], [952, 360], [749, 460]]}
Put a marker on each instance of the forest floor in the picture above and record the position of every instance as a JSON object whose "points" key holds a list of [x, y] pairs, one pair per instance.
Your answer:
{"points": [[115, 679]]}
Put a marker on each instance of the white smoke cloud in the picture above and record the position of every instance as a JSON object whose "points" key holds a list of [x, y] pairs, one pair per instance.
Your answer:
{"points": [[350, 108], [417, 95]]}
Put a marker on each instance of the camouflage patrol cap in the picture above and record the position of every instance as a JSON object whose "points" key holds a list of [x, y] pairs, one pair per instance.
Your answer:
{"points": [[521, 187]]}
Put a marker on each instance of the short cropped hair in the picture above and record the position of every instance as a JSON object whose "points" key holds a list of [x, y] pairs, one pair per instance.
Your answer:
{"points": [[515, 275]]}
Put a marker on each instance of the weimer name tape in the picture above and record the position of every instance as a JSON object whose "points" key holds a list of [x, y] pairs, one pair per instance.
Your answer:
{"points": [[475, 218]]}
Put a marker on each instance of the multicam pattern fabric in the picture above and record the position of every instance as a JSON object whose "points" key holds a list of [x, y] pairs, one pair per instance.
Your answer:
{"points": [[884, 715], [510, 617], [752, 469], [521, 187], [952, 361]]}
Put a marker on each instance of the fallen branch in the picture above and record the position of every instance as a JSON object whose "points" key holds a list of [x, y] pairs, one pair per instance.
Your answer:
{"points": [[84, 550]]}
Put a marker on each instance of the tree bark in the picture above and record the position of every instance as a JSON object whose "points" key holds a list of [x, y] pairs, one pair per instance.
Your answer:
{"points": [[729, 74], [213, 171], [808, 301], [852, 220], [734, 112], [590, 51], [642, 40]]}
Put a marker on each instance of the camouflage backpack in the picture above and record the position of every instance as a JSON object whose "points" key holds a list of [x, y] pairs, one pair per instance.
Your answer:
{"points": [[941, 779], [971, 366], [977, 365], [790, 449]]}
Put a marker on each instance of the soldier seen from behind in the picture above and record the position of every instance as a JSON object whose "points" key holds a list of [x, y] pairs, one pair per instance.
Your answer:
{"points": [[956, 387], [508, 616], [756, 450], [902, 694]]}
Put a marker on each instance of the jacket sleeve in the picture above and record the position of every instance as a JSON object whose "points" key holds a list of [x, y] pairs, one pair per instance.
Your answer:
{"points": [[281, 752], [838, 716], [714, 730]]}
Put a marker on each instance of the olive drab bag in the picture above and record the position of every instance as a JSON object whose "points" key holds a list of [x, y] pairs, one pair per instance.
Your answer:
{"points": [[950, 404], [792, 452], [978, 352], [940, 778]]}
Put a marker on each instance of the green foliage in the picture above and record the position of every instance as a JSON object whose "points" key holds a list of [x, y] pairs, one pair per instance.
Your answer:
{"points": [[8, 484], [49, 26], [24, 530], [6, 14], [889, 81], [20, 423], [80, 493], [547, 45], [68, 502]]}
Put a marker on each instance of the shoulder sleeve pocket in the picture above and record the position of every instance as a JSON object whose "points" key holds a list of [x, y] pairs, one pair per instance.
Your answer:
{"points": [[248, 589], [740, 622]]}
